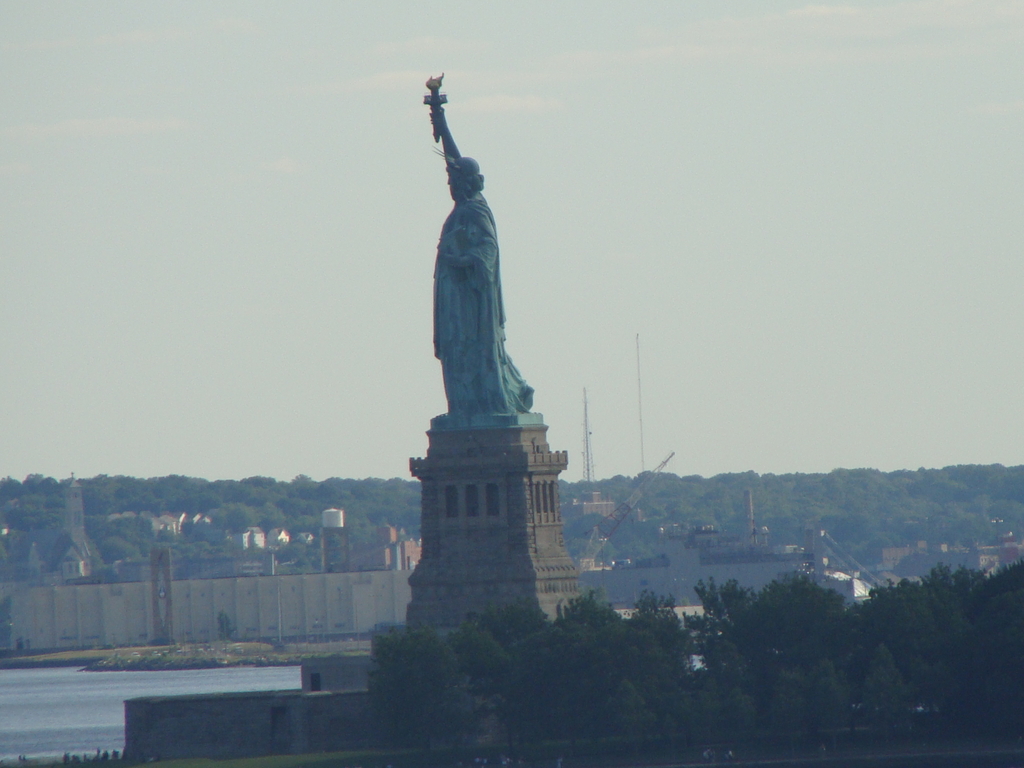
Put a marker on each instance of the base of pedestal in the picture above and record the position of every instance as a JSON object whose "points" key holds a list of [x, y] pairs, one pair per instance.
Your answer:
{"points": [[451, 421]]}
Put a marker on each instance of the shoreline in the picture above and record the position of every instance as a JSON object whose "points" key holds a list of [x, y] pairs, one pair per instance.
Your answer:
{"points": [[908, 753], [156, 658], [996, 755]]}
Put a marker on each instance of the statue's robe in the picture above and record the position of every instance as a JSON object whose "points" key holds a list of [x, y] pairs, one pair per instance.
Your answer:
{"points": [[469, 318]]}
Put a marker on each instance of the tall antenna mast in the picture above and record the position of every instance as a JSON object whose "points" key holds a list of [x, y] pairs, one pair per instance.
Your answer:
{"points": [[748, 498], [588, 451], [640, 404]]}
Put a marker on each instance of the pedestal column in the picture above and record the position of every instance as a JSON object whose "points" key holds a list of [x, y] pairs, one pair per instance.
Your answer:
{"points": [[491, 526]]}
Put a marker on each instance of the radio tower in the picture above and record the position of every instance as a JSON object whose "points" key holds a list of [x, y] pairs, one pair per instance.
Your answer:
{"points": [[588, 452], [640, 405]]}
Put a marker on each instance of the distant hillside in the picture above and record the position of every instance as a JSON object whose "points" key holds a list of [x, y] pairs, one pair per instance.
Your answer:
{"points": [[862, 508], [37, 503]]}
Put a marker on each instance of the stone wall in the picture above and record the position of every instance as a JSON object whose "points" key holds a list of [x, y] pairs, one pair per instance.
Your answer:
{"points": [[337, 673], [232, 725]]}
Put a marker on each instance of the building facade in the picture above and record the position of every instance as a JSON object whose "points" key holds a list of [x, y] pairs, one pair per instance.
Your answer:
{"points": [[304, 608]]}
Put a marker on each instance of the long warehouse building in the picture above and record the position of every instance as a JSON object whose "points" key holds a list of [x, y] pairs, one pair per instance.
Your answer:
{"points": [[302, 608]]}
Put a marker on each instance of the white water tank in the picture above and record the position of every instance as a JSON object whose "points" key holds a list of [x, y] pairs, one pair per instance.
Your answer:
{"points": [[333, 518]]}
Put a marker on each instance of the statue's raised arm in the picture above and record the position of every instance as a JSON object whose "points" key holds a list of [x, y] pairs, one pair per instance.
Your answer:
{"points": [[436, 101]]}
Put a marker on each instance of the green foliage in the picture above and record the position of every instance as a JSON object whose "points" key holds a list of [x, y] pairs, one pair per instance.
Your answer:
{"points": [[887, 698], [991, 698], [828, 700], [416, 689], [863, 508], [771, 656], [37, 503], [234, 505], [586, 675], [5, 622], [789, 663], [234, 517]]}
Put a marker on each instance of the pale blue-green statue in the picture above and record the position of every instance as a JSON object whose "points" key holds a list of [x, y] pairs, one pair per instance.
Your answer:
{"points": [[482, 385]]}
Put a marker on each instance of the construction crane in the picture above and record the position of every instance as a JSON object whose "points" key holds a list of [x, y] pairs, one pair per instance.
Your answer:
{"points": [[603, 531]]}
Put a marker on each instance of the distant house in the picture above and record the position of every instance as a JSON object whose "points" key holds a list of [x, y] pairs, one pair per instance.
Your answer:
{"points": [[592, 503], [390, 550], [167, 521], [1010, 549], [407, 555], [250, 538], [278, 537], [305, 538]]}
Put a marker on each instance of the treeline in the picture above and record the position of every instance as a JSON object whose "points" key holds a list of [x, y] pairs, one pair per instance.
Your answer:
{"points": [[789, 664], [864, 509], [38, 503]]}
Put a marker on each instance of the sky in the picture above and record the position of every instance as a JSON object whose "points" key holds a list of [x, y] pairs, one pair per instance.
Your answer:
{"points": [[218, 222]]}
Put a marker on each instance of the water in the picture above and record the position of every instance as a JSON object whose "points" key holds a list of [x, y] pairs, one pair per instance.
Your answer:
{"points": [[47, 712]]}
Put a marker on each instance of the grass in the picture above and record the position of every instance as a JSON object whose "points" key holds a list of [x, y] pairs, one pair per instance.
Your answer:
{"points": [[322, 760], [619, 754]]}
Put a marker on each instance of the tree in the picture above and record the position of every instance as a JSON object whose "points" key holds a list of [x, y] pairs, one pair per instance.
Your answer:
{"points": [[655, 657], [417, 692], [993, 701], [887, 699], [488, 647], [788, 628], [926, 627], [5, 622], [828, 701], [787, 707], [225, 628], [235, 517]]}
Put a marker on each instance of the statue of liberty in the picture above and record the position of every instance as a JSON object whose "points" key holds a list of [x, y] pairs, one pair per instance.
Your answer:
{"points": [[480, 381]]}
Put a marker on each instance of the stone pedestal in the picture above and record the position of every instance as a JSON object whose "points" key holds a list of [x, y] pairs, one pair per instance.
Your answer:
{"points": [[491, 526]]}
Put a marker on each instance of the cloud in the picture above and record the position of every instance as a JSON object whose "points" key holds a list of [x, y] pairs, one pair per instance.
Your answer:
{"points": [[95, 127], [820, 33], [15, 169], [504, 103], [380, 82], [1000, 107], [824, 10], [41, 45], [138, 36], [909, 18], [283, 165], [430, 46], [237, 26]]}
